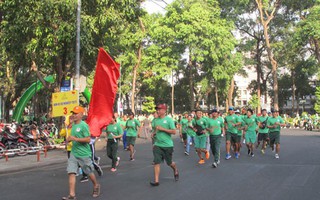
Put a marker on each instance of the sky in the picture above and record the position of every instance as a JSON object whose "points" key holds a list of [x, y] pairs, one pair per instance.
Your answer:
{"points": [[155, 6]]}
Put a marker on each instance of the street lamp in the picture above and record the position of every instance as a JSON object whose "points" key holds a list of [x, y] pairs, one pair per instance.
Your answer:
{"points": [[1, 102]]}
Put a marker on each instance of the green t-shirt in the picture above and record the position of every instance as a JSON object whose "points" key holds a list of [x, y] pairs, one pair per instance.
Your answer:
{"points": [[230, 120], [184, 125], [251, 123], [190, 130], [164, 139], [123, 124], [80, 149], [200, 122], [272, 120], [241, 119], [132, 127], [261, 119], [216, 124], [115, 129]]}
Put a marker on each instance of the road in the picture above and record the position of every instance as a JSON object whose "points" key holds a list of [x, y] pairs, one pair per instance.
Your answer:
{"points": [[295, 176]]}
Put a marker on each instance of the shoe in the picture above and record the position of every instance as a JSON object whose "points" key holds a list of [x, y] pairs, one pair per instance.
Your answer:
{"points": [[113, 169], [276, 156], [69, 198], [186, 153], [218, 162], [96, 191], [236, 155], [228, 156], [176, 176], [214, 165], [84, 179], [252, 154], [99, 170], [152, 183], [118, 161], [262, 151], [201, 161], [207, 155], [131, 159]]}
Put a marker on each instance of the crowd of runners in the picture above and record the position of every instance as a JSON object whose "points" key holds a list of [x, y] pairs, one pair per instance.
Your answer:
{"points": [[204, 131]]}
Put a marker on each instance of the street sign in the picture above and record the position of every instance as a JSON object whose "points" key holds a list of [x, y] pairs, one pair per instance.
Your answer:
{"points": [[64, 102]]}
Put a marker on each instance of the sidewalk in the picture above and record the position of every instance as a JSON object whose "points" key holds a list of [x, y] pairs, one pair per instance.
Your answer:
{"points": [[54, 157]]}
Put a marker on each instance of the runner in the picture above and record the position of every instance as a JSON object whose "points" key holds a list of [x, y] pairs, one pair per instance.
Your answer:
{"points": [[163, 147], [250, 128], [183, 129], [114, 133], [124, 136], [132, 126], [274, 124], [80, 154], [200, 124], [263, 132], [216, 129], [190, 135], [232, 121]]}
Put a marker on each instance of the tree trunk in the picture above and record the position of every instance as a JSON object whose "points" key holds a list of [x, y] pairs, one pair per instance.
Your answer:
{"points": [[191, 83], [293, 91], [136, 66], [172, 94], [230, 93], [265, 19], [258, 59], [217, 97]]}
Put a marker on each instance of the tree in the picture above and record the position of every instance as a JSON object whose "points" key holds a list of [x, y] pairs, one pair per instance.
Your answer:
{"points": [[317, 104]]}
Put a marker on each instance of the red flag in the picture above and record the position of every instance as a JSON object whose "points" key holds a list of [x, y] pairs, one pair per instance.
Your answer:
{"points": [[103, 93]]}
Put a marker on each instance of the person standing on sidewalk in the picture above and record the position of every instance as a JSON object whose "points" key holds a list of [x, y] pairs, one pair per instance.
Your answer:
{"points": [[132, 126], [114, 133], [80, 154], [215, 129], [274, 124], [163, 146], [200, 125]]}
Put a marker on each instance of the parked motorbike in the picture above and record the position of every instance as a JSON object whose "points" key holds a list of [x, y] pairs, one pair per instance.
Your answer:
{"points": [[14, 141], [308, 125]]}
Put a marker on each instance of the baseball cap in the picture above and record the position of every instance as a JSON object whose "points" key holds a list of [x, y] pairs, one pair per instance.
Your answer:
{"points": [[231, 108], [184, 113], [161, 106], [237, 111], [78, 109]]}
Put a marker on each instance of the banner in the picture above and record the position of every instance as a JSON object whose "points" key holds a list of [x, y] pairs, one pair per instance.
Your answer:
{"points": [[64, 102]]}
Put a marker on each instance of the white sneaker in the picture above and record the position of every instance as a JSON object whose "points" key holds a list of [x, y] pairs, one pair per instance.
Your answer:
{"points": [[276, 156]]}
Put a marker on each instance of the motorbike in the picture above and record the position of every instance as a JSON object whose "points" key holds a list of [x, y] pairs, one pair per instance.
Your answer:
{"points": [[14, 141], [308, 125]]}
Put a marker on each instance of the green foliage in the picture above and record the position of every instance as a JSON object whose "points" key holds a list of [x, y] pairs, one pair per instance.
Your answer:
{"points": [[148, 105], [254, 102], [317, 104]]}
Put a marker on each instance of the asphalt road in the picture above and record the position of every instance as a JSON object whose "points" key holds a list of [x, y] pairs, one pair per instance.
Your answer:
{"points": [[295, 176]]}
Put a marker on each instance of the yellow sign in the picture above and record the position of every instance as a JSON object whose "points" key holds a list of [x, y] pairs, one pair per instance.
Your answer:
{"points": [[64, 102]]}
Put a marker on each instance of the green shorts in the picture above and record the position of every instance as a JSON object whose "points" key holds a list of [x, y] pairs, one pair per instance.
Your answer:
{"points": [[85, 164], [228, 136], [251, 137], [235, 138], [263, 136], [274, 138], [162, 153], [131, 140], [200, 142]]}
